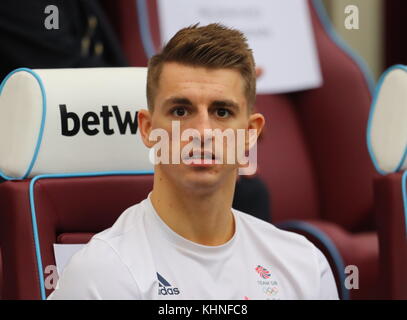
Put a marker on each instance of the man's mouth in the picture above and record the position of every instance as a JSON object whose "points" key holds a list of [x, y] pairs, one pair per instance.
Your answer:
{"points": [[202, 158]]}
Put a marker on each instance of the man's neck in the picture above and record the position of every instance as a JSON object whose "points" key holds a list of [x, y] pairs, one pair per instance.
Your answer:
{"points": [[202, 217]]}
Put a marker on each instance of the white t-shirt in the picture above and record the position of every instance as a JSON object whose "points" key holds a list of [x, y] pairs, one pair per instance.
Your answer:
{"points": [[140, 257]]}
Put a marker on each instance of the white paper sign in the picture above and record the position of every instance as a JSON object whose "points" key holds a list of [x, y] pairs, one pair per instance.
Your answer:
{"points": [[63, 253], [279, 32]]}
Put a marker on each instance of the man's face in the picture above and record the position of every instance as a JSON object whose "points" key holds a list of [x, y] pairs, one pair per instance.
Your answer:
{"points": [[199, 98]]}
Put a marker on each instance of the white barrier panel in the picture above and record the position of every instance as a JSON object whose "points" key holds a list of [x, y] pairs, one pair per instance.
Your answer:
{"points": [[387, 128], [63, 254], [71, 121], [279, 32]]}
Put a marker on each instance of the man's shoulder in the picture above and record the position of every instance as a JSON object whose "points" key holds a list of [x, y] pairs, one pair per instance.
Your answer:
{"points": [[269, 233], [96, 272], [104, 243], [110, 260], [130, 219], [302, 260], [125, 236]]}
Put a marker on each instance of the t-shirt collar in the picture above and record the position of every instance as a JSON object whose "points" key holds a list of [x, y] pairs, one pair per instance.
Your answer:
{"points": [[181, 242]]}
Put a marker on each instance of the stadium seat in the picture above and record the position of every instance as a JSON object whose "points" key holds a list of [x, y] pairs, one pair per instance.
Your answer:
{"points": [[391, 212], [67, 210], [317, 164], [1, 275], [64, 188], [313, 155], [387, 143]]}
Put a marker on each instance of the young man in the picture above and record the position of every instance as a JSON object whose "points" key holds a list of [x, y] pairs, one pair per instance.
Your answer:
{"points": [[185, 241]]}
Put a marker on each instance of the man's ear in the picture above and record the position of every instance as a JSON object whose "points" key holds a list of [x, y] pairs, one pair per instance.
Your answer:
{"points": [[256, 122], [145, 126]]}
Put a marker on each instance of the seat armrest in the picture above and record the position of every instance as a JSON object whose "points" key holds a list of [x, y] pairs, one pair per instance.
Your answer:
{"points": [[389, 207]]}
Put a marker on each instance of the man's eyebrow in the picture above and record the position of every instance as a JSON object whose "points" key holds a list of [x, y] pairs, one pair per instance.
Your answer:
{"points": [[225, 103], [177, 100], [214, 104]]}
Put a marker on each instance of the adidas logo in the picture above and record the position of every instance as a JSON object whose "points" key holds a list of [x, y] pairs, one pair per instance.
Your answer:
{"points": [[164, 287]]}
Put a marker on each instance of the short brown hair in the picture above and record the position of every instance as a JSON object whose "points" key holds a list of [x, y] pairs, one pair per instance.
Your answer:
{"points": [[212, 46]]}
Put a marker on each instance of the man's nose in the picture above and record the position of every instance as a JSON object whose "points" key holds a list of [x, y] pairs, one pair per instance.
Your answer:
{"points": [[202, 122], [202, 126]]}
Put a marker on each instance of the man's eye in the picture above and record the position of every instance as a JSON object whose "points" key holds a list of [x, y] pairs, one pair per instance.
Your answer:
{"points": [[222, 112], [179, 112]]}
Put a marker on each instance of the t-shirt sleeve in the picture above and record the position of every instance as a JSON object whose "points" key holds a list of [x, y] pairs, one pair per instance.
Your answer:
{"points": [[96, 272], [328, 289]]}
